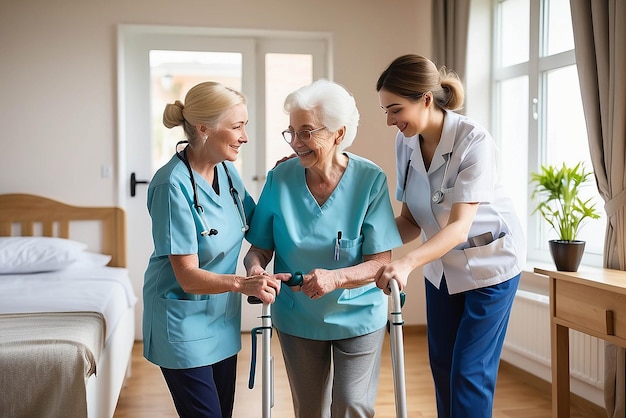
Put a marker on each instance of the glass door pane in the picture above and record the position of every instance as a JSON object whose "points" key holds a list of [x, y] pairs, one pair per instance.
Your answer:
{"points": [[284, 65], [172, 74], [284, 73]]}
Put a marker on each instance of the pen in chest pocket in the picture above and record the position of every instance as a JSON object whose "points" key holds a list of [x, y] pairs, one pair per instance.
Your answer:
{"points": [[337, 245]]}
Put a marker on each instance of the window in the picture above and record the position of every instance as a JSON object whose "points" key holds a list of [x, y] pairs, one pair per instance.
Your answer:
{"points": [[537, 110]]}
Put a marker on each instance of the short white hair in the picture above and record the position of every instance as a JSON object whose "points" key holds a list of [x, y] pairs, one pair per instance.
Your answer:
{"points": [[336, 107]]}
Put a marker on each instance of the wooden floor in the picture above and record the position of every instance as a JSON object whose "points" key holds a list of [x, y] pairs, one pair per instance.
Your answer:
{"points": [[145, 394]]}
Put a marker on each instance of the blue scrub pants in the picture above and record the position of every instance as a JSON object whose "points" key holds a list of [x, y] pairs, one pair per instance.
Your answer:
{"points": [[465, 337], [203, 392]]}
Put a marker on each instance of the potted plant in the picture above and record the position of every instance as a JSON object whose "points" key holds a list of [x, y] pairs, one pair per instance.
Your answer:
{"points": [[557, 190]]}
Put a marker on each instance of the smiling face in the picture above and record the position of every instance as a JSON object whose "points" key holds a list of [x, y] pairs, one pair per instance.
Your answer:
{"points": [[410, 117], [320, 149], [229, 135]]}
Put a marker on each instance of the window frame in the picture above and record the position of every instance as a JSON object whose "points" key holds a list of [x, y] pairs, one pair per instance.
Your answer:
{"points": [[536, 69]]}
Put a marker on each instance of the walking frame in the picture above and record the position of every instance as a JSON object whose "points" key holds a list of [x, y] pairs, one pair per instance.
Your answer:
{"points": [[397, 348], [267, 361]]}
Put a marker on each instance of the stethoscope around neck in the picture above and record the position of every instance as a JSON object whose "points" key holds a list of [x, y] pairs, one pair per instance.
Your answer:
{"points": [[182, 155], [438, 195]]}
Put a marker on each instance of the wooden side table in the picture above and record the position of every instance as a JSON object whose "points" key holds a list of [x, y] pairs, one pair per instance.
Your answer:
{"points": [[592, 301]]}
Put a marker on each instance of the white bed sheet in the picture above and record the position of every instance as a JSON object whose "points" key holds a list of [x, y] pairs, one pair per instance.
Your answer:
{"points": [[106, 290]]}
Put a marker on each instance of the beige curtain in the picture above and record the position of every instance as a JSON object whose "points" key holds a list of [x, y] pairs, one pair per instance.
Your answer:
{"points": [[600, 39], [450, 25]]}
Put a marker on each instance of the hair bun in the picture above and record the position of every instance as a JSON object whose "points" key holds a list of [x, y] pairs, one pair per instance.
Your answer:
{"points": [[173, 114]]}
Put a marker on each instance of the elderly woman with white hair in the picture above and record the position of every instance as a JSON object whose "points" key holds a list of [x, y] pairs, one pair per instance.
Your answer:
{"points": [[327, 218]]}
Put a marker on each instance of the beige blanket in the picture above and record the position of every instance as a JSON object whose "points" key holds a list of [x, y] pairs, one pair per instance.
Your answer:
{"points": [[45, 361]]}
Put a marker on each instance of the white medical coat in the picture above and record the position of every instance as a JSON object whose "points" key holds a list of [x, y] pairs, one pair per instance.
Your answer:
{"points": [[470, 154]]}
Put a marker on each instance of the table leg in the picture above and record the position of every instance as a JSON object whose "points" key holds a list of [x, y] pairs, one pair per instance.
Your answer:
{"points": [[560, 371]]}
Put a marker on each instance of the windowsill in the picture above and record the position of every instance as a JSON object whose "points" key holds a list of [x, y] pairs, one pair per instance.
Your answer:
{"points": [[532, 282], [538, 283], [531, 264]]}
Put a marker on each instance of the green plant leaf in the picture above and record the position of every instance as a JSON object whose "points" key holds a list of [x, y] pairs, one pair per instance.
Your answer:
{"points": [[556, 190]]}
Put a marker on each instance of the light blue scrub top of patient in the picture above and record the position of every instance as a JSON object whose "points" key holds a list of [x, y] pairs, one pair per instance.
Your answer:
{"points": [[182, 330], [302, 234]]}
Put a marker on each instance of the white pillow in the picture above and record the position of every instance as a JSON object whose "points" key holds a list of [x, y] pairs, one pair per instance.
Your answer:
{"points": [[36, 254], [89, 259]]}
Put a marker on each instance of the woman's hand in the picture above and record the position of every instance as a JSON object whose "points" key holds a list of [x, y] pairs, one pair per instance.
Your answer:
{"points": [[319, 282], [257, 270], [263, 286], [282, 160], [398, 270]]}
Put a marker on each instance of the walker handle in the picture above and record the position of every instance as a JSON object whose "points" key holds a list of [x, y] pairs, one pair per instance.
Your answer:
{"points": [[396, 294], [253, 300], [296, 279]]}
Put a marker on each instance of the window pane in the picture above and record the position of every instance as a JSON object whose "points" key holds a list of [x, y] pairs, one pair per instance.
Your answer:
{"points": [[284, 73], [512, 137], [559, 32], [566, 141], [514, 21], [172, 75]]}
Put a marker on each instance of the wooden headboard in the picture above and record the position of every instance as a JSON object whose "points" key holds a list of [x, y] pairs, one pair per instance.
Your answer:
{"points": [[55, 217]]}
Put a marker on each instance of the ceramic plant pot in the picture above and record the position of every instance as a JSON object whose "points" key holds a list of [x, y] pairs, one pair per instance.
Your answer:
{"points": [[567, 254]]}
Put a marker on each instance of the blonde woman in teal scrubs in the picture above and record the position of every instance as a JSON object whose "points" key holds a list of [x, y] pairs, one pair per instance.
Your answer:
{"points": [[328, 215], [200, 213]]}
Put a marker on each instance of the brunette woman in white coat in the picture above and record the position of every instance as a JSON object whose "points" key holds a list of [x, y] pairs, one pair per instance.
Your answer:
{"points": [[472, 249]]}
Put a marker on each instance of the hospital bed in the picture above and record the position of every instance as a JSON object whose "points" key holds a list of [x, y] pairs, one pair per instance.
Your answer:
{"points": [[66, 308]]}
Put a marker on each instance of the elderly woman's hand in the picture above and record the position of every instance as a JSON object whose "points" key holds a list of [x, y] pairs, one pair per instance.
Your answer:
{"points": [[319, 282]]}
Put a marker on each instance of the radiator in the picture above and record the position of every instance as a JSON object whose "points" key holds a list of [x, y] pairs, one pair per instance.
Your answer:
{"points": [[527, 346]]}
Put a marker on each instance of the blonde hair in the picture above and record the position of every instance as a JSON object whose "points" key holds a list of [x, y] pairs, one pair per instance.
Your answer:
{"points": [[410, 76], [205, 103]]}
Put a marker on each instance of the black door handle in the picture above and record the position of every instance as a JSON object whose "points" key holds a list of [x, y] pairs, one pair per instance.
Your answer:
{"points": [[134, 182]]}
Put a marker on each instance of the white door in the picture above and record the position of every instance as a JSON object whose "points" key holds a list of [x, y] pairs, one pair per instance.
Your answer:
{"points": [[158, 65]]}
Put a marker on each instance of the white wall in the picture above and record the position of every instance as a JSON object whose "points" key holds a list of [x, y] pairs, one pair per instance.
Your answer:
{"points": [[58, 81]]}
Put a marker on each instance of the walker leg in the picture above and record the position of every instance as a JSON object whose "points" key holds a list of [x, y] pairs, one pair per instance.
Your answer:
{"points": [[268, 369], [397, 349], [267, 361]]}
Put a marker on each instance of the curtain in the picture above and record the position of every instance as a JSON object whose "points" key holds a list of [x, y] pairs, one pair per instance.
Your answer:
{"points": [[600, 39], [450, 25]]}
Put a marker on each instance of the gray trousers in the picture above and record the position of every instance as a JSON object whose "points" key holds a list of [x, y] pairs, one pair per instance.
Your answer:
{"points": [[348, 390]]}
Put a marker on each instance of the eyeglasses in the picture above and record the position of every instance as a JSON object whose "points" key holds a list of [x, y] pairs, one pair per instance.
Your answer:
{"points": [[303, 135]]}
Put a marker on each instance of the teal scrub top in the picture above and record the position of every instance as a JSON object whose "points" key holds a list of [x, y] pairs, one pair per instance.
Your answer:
{"points": [[303, 235], [183, 330]]}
